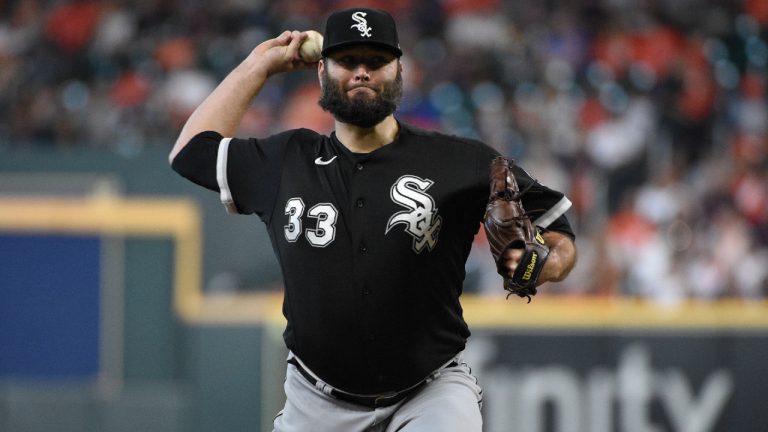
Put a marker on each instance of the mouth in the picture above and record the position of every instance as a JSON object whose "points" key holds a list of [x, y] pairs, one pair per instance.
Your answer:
{"points": [[360, 89]]}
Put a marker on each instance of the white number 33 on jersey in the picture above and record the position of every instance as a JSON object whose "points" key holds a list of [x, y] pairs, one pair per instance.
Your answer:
{"points": [[325, 229]]}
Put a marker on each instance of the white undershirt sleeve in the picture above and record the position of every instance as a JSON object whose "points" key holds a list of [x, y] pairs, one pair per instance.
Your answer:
{"points": [[553, 213], [221, 177]]}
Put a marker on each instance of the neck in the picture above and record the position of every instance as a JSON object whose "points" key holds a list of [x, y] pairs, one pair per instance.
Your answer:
{"points": [[365, 140]]}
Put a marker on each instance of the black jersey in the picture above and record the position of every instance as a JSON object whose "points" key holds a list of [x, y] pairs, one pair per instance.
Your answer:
{"points": [[372, 246]]}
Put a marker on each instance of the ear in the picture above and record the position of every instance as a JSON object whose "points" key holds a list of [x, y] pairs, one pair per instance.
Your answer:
{"points": [[320, 69]]}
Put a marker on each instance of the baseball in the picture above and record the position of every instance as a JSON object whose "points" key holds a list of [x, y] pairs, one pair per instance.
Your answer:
{"points": [[310, 49]]}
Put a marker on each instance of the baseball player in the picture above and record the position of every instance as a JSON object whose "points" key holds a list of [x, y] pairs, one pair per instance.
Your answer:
{"points": [[372, 226]]}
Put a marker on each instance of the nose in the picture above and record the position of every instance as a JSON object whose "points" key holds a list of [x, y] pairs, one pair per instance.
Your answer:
{"points": [[361, 73]]}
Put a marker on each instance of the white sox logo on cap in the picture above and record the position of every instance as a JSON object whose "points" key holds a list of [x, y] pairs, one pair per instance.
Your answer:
{"points": [[355, 27], [362, 24]]}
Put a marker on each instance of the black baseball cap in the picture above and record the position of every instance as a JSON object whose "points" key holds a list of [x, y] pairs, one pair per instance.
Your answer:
{"points": [[361, 26]]}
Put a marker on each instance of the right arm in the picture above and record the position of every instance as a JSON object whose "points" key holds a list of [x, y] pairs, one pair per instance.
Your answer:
{"points": [[223, 110]]}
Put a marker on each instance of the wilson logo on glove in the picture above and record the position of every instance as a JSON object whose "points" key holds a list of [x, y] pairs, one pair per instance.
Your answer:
{"points": [[529, 268]]}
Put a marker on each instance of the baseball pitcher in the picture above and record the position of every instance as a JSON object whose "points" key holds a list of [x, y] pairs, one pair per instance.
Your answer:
{"points": [[372, 226]]}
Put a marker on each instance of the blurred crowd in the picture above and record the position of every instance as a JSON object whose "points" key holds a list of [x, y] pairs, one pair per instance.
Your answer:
{"points": [[651, 115]]}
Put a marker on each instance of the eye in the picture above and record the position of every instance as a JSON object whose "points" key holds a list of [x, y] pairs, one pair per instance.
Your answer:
{"points": [[378, 61], [346, 61]]}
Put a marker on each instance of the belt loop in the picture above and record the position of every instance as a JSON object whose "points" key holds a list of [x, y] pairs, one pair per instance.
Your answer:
{"points": [[459, 357], [435, 375], [323, 387]]}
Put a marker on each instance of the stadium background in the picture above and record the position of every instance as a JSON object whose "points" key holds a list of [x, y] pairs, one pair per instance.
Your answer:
{"points": [[130, 301]]}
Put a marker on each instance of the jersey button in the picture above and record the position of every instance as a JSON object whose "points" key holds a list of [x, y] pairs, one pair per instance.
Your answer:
{"points": [[363, 249], [360, 203], [359, 167]]}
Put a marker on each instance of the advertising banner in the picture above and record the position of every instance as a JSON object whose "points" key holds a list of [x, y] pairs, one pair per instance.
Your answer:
{"points": [[614, 380]]}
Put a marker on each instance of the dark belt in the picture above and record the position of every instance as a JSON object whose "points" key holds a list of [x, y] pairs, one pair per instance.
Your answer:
{"points": [[373, 401]]}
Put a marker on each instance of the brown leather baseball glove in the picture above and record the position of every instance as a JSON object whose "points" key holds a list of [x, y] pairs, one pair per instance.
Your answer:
{"points": [[507, 226]]}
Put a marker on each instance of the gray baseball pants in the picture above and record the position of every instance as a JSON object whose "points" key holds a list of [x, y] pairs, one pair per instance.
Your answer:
{"points": [[450, 402]]}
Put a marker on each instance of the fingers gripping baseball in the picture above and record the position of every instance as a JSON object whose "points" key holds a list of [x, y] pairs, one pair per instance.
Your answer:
{"points": [[281, 54], [517, 246]]}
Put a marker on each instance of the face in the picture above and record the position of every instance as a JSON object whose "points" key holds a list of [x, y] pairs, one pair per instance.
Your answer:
{"points": [[360, 85]]}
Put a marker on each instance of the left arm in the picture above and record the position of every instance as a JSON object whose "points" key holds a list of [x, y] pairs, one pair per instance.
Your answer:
{"points": [[560, 261]]}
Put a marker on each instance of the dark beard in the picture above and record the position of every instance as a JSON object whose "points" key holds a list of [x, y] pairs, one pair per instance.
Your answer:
{"points": [[363, 112]]}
